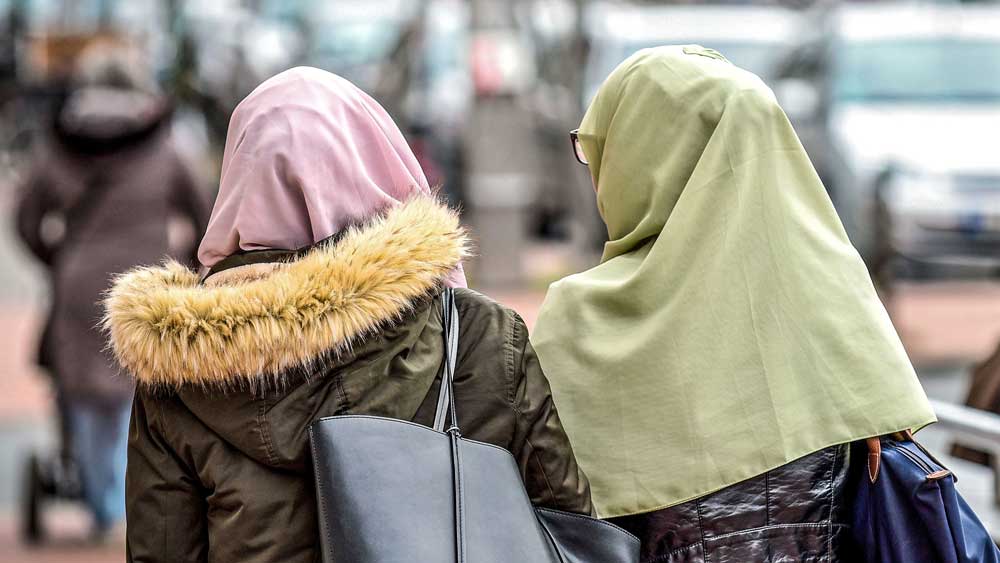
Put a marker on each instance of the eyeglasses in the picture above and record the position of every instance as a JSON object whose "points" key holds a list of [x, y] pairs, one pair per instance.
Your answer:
{"points": [[574, 137]]}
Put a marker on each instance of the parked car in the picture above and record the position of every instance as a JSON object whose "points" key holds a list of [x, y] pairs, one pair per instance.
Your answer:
{"points": [[899, 107]]}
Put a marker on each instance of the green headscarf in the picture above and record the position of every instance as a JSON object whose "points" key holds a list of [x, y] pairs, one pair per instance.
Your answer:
{"points": [[730, 327]]}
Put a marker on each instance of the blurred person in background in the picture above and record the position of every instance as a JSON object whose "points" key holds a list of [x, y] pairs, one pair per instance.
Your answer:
{"points": [[327, 253], [101, 198], [715, 368]]}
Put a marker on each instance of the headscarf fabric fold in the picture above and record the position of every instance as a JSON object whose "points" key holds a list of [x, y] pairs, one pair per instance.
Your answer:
{"points": [[307, 155], [730, 327]]}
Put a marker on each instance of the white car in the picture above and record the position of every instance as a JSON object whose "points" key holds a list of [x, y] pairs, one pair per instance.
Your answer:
{"points": [[899, 108]]}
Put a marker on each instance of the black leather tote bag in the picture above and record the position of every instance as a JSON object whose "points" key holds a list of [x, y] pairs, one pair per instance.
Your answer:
{"points": [[392, 491]]}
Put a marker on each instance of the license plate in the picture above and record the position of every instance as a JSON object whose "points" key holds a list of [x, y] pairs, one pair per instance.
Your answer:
{"points": [[971, 224]]}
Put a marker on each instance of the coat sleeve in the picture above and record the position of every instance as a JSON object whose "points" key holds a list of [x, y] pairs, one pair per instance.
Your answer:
{"points": [[165, 506], [36, 201], [543, 451]]}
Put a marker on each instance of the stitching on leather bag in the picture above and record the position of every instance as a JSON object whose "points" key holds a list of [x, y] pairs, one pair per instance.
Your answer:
{"points": [[829, 522], [461, 501], [672, 552], [552, 541], [701, 528], [813, 525], [767, 498], [874, 457], [319, 488], [675, 551]]}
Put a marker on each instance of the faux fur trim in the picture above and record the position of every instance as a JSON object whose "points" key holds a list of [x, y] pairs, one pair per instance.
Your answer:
{"points": [[168, 330]]}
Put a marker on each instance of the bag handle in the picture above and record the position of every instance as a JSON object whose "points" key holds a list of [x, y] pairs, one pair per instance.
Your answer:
{"points": [[446, 397], [875, 451], [875, 455]]}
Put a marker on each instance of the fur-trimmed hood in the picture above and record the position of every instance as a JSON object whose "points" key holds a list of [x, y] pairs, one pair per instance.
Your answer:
{"points": [[167, 329]]}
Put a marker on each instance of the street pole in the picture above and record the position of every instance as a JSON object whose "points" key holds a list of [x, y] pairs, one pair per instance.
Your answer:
{"points": [[500, 158]]}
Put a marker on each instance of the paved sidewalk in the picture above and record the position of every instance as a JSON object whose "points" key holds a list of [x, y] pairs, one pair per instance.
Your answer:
{"points": [[24, 393], [948, 322], [66, 545]]}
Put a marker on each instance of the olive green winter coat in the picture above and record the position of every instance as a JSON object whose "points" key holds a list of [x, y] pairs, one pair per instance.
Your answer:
{"points": [[232, 372]]}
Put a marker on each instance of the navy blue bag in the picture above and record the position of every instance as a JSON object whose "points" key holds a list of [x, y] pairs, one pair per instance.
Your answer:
{"points": [[908, 511]]}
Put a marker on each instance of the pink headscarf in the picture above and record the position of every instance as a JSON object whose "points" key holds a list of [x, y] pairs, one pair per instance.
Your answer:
{"points": [[307, 154]]}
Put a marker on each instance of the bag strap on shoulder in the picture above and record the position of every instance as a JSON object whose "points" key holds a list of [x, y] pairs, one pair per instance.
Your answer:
{"points": [[446, 396]]}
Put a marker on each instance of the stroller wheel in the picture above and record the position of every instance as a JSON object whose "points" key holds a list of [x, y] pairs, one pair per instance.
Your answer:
{"points": [[31, 507]]}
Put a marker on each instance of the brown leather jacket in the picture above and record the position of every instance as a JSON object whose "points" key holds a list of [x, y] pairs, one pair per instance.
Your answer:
{"points": [[230, 381]]}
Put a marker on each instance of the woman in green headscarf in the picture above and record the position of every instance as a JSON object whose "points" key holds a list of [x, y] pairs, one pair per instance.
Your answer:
{"points": [[713, 369]]}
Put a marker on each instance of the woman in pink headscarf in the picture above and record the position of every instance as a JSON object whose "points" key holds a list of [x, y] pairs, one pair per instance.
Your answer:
{"points": [[326, 253]]}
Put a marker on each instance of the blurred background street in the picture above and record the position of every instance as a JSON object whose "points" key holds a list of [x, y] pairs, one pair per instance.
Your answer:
{"points": [[897, 103]]}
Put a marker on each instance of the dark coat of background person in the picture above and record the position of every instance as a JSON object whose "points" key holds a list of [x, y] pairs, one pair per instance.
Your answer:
{"points": [[219, 463], [113, 197], [984, 394]]}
